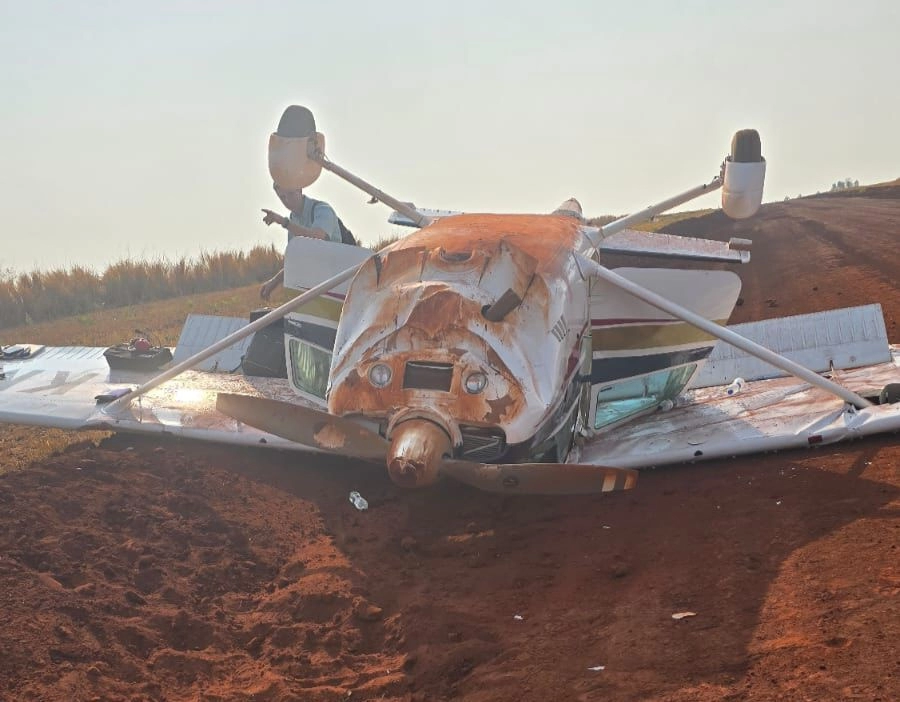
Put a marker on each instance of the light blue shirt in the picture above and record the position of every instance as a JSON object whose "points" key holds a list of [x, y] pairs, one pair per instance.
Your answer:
{"points": [[316, 214]]}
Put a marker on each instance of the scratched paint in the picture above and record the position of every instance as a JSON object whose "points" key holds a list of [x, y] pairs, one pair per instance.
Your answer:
{"points": [[425, 298]]}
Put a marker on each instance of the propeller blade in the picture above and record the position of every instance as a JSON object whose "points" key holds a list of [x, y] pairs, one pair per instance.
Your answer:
{"points": [[304, 425], [540, 478]]}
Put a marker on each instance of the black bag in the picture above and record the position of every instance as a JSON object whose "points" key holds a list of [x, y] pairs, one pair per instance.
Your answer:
{"points": [[346, 235], [127, 357], [265, 354]]}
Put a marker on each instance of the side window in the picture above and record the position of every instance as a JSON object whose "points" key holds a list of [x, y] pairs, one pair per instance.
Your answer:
{"points": [[310, 366], [620, 400]]}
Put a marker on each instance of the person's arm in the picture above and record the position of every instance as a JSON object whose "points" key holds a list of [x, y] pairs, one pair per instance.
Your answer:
{"points": [[293, 227], [271, 285]]}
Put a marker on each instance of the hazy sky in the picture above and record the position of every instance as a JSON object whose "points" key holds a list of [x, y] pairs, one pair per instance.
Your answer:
{"points": [[140, 129]]}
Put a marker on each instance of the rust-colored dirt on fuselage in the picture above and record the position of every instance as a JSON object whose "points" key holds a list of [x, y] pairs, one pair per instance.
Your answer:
{"points": [[493, 294]]}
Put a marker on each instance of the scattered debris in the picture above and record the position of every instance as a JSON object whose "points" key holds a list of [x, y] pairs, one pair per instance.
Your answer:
{"points": [[518, 617], [358, 501], [682, 615], [597, 667]]}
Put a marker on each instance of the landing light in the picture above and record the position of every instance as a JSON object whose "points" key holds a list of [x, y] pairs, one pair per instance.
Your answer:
{"points": [[380, 375], [475, 382]]}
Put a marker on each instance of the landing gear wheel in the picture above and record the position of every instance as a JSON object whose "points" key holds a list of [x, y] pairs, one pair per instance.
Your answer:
{"points": [[890, 394], [746, 147]]}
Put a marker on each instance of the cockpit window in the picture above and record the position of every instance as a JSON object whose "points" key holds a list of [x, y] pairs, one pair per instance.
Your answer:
{"points": [[310, 366], [621, 400]]}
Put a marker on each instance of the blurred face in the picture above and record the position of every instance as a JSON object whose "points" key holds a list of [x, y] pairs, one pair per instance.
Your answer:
{"points": [[292, 199]]}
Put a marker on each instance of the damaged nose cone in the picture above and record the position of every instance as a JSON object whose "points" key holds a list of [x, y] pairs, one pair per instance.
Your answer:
{"points": [[417, 448]]}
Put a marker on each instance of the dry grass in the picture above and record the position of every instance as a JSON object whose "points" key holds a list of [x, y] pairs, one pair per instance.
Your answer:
{"points": [[162, 320], [47, 295]]}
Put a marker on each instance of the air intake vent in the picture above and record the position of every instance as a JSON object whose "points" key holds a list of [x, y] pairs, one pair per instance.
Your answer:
{"points": [[427, 375], [480, 444]]}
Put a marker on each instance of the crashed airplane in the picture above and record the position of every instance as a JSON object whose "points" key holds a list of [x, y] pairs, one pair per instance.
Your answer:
{"points": [[498, 350]]}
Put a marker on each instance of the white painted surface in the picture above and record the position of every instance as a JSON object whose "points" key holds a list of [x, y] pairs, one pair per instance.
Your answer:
{"points": [[847, 338], [203, 330], [766, 415], [308, 262], [57, 387], [638, 243], [743, 188]]}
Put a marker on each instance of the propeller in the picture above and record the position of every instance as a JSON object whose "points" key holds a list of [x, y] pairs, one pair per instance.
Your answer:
{"points": [[540, 478], [304, 425], [416, 453]]}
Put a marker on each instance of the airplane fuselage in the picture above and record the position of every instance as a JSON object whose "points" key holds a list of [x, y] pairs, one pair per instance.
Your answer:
{"points": [[473, 323]]}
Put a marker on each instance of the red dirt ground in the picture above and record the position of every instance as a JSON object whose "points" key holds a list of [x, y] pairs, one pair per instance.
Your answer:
{"points": [[140, 571]]}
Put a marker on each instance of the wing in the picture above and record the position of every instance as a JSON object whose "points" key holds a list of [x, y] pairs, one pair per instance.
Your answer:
{"points": [[769, 413], [58, 387]]}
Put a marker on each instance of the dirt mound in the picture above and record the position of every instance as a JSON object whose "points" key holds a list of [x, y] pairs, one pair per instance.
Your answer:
{"points": [[178, 571]]}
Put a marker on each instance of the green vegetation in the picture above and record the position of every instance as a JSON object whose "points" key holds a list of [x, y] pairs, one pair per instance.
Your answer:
{"points": [[41, 296]]}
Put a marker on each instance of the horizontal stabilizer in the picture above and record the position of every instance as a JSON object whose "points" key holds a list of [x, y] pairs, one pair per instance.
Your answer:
{"points": [[631, 242]]}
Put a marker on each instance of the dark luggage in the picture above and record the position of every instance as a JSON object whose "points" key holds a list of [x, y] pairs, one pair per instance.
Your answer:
{"points": [[265, 354], [137, 357]]}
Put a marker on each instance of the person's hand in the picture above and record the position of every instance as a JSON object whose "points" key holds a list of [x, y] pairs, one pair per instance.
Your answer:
{"points": [[267, 288], [271, 217]]}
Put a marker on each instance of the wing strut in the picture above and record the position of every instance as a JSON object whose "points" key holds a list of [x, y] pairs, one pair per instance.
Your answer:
{"points": [[592, 268], [241, 333]]}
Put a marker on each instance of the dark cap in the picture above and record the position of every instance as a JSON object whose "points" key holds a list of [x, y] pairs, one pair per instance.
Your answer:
{"points": [[296, 122]]}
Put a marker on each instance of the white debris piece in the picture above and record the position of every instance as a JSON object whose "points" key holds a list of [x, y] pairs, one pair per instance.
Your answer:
{"points": [[518, 617], [358, 501], [597, 667], [682, 615]]}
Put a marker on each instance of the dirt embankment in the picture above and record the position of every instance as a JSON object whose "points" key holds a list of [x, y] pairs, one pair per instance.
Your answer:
{"points": [[177, 571]]}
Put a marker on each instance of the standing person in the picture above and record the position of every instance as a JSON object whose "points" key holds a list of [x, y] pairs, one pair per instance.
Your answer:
{"points": [[308, 217]]}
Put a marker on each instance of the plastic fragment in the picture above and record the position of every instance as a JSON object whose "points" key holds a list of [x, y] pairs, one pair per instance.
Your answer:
{"points": [[358, 501]]}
